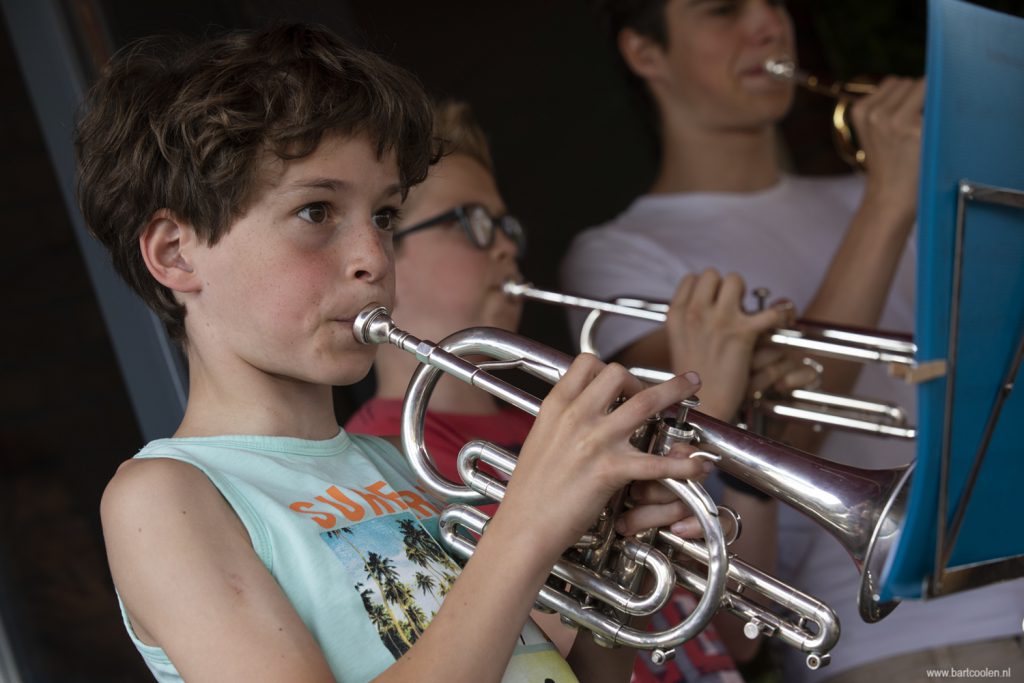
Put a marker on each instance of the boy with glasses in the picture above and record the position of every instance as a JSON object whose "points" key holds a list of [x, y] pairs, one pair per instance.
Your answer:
{"points": [[450, 265], [478, 224]]}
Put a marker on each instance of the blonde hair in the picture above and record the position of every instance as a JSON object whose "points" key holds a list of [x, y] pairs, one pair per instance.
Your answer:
{"points": [[459, 132]]}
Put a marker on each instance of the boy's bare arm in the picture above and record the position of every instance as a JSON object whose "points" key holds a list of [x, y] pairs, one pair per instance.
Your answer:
{"points": [[858, 279], [192, 583]]}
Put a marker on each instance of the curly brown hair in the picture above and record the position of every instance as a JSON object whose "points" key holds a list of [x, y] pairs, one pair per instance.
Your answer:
{"points": [[181, 126]]}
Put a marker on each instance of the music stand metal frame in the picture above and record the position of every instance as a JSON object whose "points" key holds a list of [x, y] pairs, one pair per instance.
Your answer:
{"points": [[945, 580]]}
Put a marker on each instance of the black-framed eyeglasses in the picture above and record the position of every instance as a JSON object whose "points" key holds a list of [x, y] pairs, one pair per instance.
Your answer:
{"points": [[478, 224]]}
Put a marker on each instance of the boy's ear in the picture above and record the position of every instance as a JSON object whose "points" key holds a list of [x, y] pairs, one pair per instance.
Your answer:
{"points": [[167, 246], [644, 56]]}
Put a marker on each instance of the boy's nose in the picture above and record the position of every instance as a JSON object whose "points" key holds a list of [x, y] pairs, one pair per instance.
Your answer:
{"points": [[767, 21], [369, 255], [503, 246]]}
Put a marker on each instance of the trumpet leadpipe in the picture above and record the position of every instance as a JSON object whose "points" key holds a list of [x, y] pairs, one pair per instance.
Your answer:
{"points": [[655, 312], [787, 70], [817, 338]]}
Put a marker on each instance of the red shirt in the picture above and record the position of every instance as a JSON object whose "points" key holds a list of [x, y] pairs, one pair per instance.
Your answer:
{"points": [[444, 434]]}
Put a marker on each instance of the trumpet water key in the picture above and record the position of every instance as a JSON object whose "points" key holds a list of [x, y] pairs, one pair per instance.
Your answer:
{"points": [[595, 583]]}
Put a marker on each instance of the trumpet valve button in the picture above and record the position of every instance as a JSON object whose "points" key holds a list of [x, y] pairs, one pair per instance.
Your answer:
{"points": [[752, 629], [755, 627], [761, 295]]}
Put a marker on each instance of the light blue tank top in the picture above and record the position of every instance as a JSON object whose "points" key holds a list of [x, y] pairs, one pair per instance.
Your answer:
{"points": [[350, 538]]}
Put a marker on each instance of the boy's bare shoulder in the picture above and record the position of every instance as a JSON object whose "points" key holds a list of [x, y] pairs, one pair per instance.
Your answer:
{"points": [[156, 476], [154, 487]]}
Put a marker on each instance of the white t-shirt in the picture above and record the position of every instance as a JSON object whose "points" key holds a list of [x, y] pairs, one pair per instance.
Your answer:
{"points": [[784, 238]]}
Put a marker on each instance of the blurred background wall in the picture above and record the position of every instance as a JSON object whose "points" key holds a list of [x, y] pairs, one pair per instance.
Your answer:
{"points": [[81, 392]]}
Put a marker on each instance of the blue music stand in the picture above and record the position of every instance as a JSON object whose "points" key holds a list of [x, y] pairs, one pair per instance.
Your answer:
{"points": [[960, 528]]}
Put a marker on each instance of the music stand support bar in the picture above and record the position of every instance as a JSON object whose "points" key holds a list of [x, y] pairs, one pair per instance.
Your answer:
{"points": [[946, 539]]}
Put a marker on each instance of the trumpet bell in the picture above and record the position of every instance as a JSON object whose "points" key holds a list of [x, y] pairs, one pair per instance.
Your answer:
{"points": [[861, 508], [880, 546]]}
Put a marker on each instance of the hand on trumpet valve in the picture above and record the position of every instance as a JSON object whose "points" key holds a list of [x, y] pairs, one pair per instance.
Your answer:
{"points": [[869, 119], [710, 332], [779, 371], [888, 127], [578, 454], [650, 505]]}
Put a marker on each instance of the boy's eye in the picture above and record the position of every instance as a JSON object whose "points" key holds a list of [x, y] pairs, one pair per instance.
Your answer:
{"points": [[723, 9], [316, 212], [386, 219]]}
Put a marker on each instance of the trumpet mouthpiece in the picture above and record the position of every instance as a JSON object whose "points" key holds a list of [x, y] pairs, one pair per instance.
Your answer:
{"points": [[372, 325], [783, 69], [514, 288]]}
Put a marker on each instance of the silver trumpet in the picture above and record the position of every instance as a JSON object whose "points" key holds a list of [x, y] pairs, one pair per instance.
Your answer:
{"points": [[595, 584], [821, 409]]}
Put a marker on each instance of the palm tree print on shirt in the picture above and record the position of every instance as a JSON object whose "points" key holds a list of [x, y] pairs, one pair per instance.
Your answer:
{"points": [[403, 575]]}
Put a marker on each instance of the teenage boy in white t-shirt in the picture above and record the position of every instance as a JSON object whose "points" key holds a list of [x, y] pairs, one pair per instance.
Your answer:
{"points": [[839, 248]]}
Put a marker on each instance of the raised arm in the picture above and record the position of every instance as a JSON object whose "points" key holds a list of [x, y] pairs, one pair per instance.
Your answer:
{"points": [[861, 272], [888, 125]]}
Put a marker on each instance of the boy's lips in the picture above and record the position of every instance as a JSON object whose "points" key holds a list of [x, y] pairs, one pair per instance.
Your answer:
{"points": [[348, 319], [500, 282], [350, 316], [758, 72], [758, 67]]}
